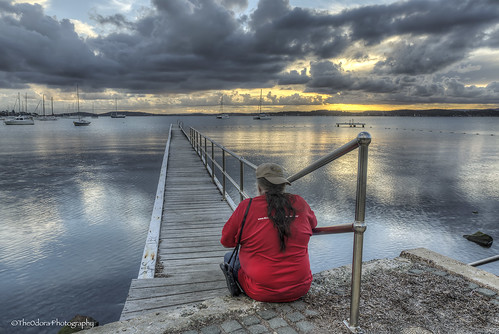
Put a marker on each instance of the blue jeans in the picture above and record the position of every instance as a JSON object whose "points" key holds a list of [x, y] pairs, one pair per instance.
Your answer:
{"points": [[234, 263]]}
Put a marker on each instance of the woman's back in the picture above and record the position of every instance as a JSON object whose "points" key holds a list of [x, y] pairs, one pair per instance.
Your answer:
{"points": [[267, 272]]}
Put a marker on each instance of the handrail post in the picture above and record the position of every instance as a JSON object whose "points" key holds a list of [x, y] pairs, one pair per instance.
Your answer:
{"points": [[197, 141], [364, 139], [199, 145], [241, 179], [205, 153], [212, 162], [224, 171]]}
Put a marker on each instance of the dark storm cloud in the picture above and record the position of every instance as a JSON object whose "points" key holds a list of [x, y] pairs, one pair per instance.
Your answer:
{"points": [[117, 20], [39, 49], [293, 78], [194, 45]]}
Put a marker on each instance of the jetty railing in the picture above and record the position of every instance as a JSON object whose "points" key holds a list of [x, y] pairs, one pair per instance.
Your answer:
{"points": [[202, 145], [205, 148]]}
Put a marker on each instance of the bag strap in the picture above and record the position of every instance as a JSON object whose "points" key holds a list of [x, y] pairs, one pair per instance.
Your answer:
{"points": [[236, 249], [244, 220]]}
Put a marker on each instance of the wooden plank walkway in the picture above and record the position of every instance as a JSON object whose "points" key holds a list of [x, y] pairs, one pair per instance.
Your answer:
{"points": [[190, 252]]}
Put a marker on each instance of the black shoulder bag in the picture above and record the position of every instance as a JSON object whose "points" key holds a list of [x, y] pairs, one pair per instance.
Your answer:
{"points": [[226, 267]]}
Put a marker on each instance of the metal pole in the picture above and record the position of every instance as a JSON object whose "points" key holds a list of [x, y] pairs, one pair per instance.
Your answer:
{"points": [[196, 135], [341, 228], [212, 162], [339, 152], [241, 178], [484, 261], [224, 171], [205, 153], [364, 139], [200, 145]]}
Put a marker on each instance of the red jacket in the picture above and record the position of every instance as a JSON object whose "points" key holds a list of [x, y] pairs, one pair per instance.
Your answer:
{"points": [[266, 273]]}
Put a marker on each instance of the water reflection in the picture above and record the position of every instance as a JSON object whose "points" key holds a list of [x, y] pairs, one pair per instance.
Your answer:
{"points": [[75, 212]]}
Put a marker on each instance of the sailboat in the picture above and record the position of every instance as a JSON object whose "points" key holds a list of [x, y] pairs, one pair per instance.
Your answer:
{"points": [[48, 118], [222, 115], [21, 119], [115, 114], [261, 115], [80, 121]]}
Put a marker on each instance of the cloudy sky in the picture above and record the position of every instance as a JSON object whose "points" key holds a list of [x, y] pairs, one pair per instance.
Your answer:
{"points": [[183, 55]]}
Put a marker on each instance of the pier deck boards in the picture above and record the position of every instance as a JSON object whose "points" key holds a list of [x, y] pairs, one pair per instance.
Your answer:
{"points": [[189, 250]]}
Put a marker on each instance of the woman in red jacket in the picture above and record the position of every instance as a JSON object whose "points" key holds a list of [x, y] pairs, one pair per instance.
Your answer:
{"points": [[273, 259]]}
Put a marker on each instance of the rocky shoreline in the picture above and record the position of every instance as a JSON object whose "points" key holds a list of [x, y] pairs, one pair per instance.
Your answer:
{"points": [[420, 292]]}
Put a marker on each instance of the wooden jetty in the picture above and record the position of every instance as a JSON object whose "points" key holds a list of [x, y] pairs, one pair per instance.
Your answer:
{"points": [[351, 124], [183, 250]]}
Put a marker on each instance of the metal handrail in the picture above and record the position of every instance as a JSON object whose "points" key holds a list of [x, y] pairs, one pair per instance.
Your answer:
{"points": [[200, 144], [358, 227], [484, 261]]}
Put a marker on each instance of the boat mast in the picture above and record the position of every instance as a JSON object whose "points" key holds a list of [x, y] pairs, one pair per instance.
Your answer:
{"points": [[260, 104], [43, 104], [52, 103], [78, 101]]}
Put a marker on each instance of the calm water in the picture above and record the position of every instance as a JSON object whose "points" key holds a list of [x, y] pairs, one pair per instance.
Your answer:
{"points": [[76, 202]]}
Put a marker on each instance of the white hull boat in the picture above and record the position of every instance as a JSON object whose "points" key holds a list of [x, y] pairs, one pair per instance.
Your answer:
{"points": [[20, 120]]}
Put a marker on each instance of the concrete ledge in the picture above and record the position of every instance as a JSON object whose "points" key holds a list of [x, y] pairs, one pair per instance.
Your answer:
{"points": [[434, 300], [181, 318], [455, 267]]}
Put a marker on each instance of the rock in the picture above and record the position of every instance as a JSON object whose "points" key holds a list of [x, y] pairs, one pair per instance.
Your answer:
{"points": [[78, 323], [480, 238]]}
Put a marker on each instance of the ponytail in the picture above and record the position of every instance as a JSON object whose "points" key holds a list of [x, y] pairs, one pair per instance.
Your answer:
{"points": [[279, 209]]}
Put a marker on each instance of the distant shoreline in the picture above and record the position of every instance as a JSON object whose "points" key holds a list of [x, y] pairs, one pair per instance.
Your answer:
{"points": [[400, 112]]}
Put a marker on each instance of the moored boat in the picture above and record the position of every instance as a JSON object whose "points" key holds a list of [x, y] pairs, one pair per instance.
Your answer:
{"points": [[115, 114], [80, 121], [261, 115], [20, 120], [45, 117]]}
